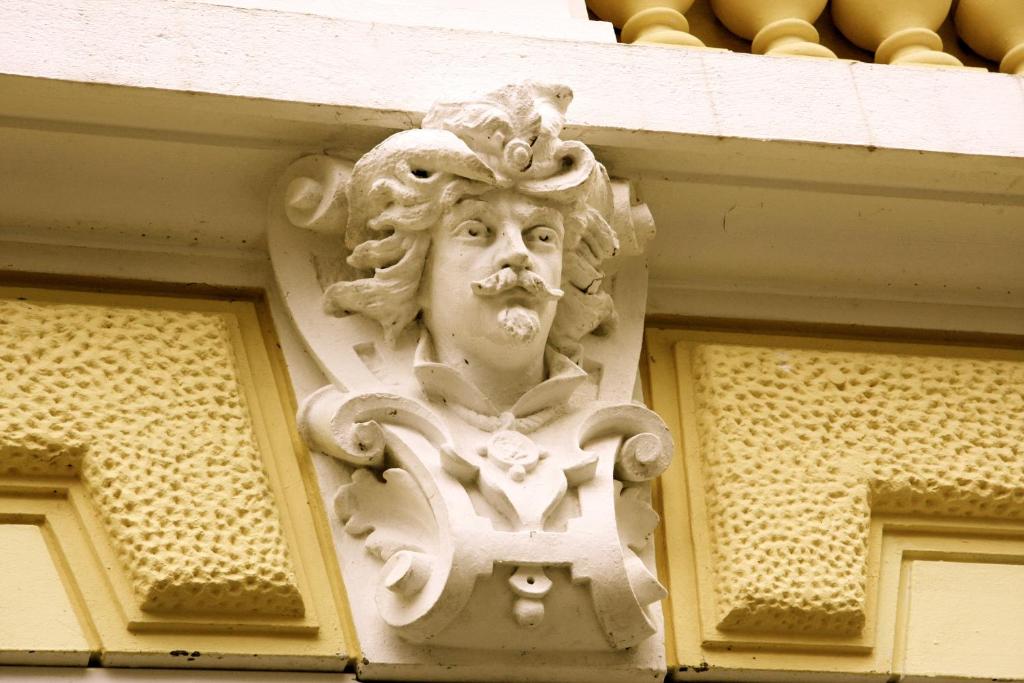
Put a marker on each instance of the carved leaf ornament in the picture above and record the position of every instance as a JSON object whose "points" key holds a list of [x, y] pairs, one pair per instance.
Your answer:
{"points": [[458, 287]]}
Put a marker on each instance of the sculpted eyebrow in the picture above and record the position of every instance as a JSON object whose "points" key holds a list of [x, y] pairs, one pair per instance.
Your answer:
{"points": [[464, 208], [546, 215], [467, 203]]}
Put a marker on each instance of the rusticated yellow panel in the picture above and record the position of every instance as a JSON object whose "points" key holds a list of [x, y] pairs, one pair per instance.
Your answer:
{"points": [[811, 475], [799, 446], [150, 401], [151, 439]]}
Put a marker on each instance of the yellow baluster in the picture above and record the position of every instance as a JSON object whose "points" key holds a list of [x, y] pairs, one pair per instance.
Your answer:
{"points": [[995, 30], [780, 27], [897, 31], [648, 22]]}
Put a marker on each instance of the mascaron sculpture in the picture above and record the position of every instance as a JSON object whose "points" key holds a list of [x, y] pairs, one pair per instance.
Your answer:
{"points": [[458, 285]]}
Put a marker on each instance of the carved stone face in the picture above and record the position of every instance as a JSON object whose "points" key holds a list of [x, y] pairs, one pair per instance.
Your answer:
{"points": [[492, 276]]}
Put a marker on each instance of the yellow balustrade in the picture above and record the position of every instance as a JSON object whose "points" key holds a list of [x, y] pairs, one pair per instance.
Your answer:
{"points": [[648, 22], [898, 32], [995, 30], [782, 27]]}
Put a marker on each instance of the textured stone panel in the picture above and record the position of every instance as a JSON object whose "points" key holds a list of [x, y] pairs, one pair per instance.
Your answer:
{"points": [[149, 402], [800, 446]]}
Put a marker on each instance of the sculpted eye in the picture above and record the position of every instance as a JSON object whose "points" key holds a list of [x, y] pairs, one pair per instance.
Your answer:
{"points": [[472, 230], [541, 235]]}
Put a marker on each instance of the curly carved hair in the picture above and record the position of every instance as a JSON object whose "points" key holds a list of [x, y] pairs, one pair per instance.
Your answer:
{"points": [[403, 187]]}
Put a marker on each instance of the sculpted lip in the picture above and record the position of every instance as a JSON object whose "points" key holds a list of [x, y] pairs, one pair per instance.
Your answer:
{"points": [[519, 296]]}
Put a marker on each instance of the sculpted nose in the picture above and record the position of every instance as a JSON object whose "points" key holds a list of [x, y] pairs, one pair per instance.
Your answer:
{"points": [[512, 250]]}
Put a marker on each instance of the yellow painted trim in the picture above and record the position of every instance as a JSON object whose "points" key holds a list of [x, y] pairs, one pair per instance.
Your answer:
{"points": [[275, 357], [675, 542]]}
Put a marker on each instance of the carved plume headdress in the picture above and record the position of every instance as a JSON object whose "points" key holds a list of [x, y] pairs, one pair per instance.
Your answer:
{"points": [[508, 139]]}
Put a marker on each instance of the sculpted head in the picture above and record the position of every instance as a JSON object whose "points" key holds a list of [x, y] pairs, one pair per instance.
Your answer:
{"points": [[486, 226]]}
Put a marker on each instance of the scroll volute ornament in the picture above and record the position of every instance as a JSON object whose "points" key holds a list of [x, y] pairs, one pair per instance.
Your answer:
{"points": [[782, 27], [995, 30], [900, 33], [473, 290], [648, 22]]}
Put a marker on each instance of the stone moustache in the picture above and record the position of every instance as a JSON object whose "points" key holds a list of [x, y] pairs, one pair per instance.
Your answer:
{"points": [[495, 467]]}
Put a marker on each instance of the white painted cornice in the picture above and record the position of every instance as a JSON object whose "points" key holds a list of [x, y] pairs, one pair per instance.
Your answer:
{"points": [[261, 78], [346, 72], [555, 19], [774, 181]]}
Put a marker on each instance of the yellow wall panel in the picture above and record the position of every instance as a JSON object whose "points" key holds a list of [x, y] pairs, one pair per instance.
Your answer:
{"points": [[809, 472], [35, 610], [154, 436], [150, 401], [965, 617]]}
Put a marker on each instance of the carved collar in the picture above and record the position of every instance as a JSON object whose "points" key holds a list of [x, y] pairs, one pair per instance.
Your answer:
{"points": [[542, 401]]}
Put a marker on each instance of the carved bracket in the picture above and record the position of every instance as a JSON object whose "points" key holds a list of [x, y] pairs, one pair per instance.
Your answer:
{"points": [[461, 286]]}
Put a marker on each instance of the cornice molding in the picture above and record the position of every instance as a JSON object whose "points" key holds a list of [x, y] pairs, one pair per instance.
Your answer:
{"points": [[842, 103]]}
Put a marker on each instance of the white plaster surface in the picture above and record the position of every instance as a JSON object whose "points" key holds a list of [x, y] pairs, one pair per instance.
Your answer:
{"points": [[390, 76], [557, 19]]}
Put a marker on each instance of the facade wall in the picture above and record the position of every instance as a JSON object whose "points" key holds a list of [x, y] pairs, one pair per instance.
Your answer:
{"points": [[834, 322]]}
